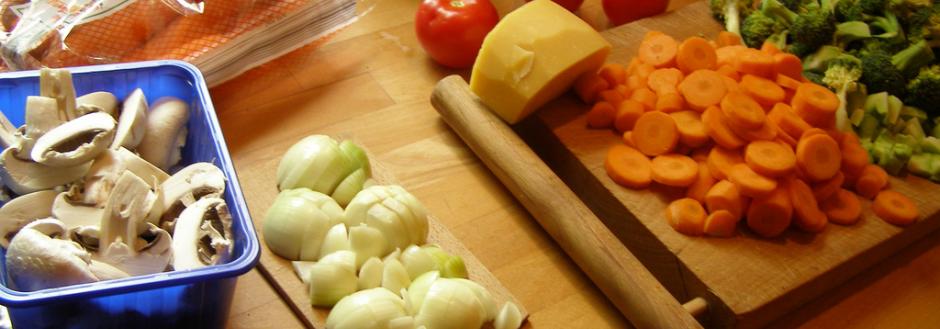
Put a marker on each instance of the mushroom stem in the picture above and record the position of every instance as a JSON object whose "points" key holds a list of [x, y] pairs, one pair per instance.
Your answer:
{"points": [[7, 131]]}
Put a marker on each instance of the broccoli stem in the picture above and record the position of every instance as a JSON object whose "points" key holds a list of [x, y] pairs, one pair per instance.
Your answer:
{"points": [[911, 59], [775, 9], [732, 18]]}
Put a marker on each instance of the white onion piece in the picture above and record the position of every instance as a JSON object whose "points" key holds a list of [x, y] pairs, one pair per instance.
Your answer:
{"points": [[394, 276], [450, 303], [370, 274], [509, 317], [366, 242], [373, 308], [336, 239]]}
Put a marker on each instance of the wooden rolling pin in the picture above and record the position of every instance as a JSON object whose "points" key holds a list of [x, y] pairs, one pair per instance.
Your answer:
{"points": [[625, 281]]}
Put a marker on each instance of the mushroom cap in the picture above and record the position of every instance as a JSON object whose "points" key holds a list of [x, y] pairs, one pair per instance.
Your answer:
{"points": [[25, 177], [132, 124], [19, 212], [35, 261], [202, 235], [166, 132], [196, 181], [75, 142], [99, 101]]}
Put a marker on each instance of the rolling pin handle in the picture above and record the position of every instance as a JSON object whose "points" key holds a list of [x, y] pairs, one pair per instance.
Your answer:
{"points": [[697, 307]]}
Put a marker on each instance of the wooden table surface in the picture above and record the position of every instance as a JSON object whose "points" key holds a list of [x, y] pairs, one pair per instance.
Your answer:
{"points": [[371, 82]]}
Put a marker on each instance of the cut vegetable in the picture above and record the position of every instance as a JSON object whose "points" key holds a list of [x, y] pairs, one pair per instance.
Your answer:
{"points": [[718, 130], [702, 184], [724, 195], [842, 207], [655, 133], [750, 183], [807, 214], [628, 167], [895, 208], [692, 132], [721, 223], [696, 53], [871, 181], [674, 170], [703, 88], [769, 158], [720, 161], [658, 49], [686, 216], [818, 157], [742, 111], [770, 216]]}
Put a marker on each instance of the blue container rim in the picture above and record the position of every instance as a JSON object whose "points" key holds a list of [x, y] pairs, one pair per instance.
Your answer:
{"points": [[235, 267]]}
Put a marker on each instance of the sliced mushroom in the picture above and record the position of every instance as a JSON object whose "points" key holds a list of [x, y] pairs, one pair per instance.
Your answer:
{"points": [[153, 255], [51, 227], [203, 235], [86, 236], [57, 83], [7, 132], [21, 211], [36, 261], [73, 213], [75, 142], [42, 115], [126, 211], [132, 125], [196, 181], [24, 176], [166, 133], [108, 167], [99, 101]]}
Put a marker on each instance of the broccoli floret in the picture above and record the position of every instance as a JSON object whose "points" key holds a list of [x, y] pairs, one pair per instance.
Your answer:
{"points": [[819, 61], [757, 27], [779, 39], [843, 72], [911, 59], [879, 74], [776, 10], [872, 7], [730, 12], [813, 28], [925, 25], [850, 31], [816, 78], [800, 49], [924, 90], [848, 10], [907, 8]]}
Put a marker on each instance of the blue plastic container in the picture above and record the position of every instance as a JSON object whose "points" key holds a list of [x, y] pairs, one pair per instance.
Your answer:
{"points": [[198, 298]]}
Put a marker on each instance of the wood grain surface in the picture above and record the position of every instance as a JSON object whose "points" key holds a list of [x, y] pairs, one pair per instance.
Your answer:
{"points": [[372, 82], [749, 281]]}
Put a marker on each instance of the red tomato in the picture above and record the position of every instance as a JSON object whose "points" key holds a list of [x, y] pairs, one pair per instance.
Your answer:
{"points": [[452, 31], [571, 5], [625, 11]]}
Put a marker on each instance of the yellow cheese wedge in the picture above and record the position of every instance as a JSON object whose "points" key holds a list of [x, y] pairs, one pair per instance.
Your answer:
{"points": [[532, 56]]}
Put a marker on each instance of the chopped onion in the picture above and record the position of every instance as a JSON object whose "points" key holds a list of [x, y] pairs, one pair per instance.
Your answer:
{"points": [[366, 242], [370, 274], [450, 303], [509, 317], [302, 269], [484, 296], [391, 210], [419, 288], [330, 282], [417, 261], [394, 276], [373, 308], [336, 239], [297, 222]]}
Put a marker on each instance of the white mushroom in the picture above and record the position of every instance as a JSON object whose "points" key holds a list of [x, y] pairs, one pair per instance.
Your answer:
{"points": [[153, 255], [126, 241], [24, 176], [73, 213], [42, 115], [36, 261], [108, 167], [196, 181], [7, 132], [166, 133], [132, 124], [99, 101], [57, 83], [21, 211], [203, 235], [75, 142]]}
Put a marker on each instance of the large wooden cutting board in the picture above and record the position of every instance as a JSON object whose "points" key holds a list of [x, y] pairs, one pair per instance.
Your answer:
{"points": [[748, 281]]}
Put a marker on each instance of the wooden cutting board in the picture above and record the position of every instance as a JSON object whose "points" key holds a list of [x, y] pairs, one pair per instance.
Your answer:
{"points": [[280, 273], [748, 281]]}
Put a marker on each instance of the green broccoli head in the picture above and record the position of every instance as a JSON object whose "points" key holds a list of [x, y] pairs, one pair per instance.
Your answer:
{"points": [[757, 27], [879, 74], [848, 10], [872, 7], [906, 9], [816, 78], [776, 10], [842, 72], [848, 32], [924, 89], [925, 25], [911, 59], [800, 49], [813, 28]]}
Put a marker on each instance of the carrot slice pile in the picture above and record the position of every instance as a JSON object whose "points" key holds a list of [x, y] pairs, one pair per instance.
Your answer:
{"points": [[742, 131]]}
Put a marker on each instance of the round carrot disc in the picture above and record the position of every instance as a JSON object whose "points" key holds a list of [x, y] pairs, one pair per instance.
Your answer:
{"points": [[749, 182], [770, 158], [842, 207], [894, 208], [808, 216], [686, 216], [655, 133], [743, 111], [674, 170], [818, 156], [628, 167]]}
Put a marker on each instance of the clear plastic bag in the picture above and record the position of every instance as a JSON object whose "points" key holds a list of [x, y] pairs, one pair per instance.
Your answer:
{"points": [[63, 33]]}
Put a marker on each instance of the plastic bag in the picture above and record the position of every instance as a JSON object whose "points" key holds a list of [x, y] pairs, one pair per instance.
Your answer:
{"points": [[63, 33]]}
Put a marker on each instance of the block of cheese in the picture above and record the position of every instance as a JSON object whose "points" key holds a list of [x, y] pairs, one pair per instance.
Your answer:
{"points": [[532, 56]]}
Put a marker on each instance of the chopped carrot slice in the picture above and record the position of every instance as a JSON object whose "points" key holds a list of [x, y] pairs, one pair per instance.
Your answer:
{"points": [[726, 38], [815, 104], [895, 208], [770, 216], [701, 154], [628, 167], [614, 73], [589, 85], [611, 96], [825, 189], [628, 139], [767, 132], [769, 158], [664, 80], [692, 131], [655, 133], [750, 183], [787, 83], [695, 53], [724, 195], [633, 65], [729, 55], [624, 91], [670, 102], [770, 48], [636, 81], [729, 71], [783, 137], [854, 156], [717, 128], [741, 110], [842, 207], [721, 223], [730, 84], [702, 183], [765, 92], [702, 88], [872, 180], [789, 65], [720, 161], [644, 70], [601, 115], [628, 113], [787, 120], [808, 216], [818, 157], [674, 170], [645, 96], [686, 216], [756, 62], [658, 50]]}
